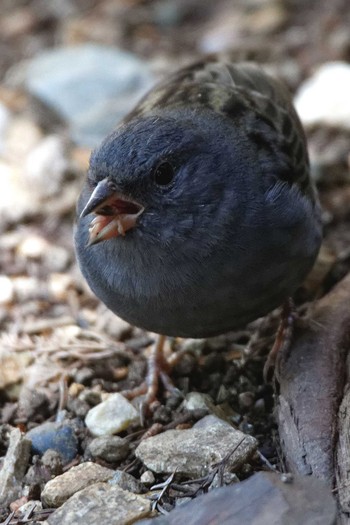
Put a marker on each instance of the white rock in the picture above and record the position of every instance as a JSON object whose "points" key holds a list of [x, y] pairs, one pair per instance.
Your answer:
{"points": [[111, 416], [46, 165], [6, 290], [16, 201], [5, 118], [325, 97], [33, 247], [59, 284]]}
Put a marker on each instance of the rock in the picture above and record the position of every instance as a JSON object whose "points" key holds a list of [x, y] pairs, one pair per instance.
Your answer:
{"points": [[28, 508], [91, 86], [262, 499], [16, 202], [36, 247], [59, 284], [109, 448], [228, 478], [5, 117], [7, 292], [103, 504], [197, 401], [224, 31], [38, 474], [55, 436], [14, 467], [32, 403], [52, 460], [13, 366], [195, 451], [61, 488], [111, 416], [23, 135], [147, 478], [46, 166], [246, 400], [127, 482], [324, 98]]}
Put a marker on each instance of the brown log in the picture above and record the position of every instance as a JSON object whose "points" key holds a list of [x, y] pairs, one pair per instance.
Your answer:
{"points": [[311, 381]]}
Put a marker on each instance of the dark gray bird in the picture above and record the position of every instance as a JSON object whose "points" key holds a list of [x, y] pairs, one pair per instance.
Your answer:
{"points": [[198, 214]]}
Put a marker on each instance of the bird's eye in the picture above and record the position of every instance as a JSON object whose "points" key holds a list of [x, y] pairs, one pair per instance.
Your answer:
{"points": [[163, 174]]}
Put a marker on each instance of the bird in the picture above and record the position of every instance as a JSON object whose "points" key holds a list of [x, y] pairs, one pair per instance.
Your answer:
{"points": [[198, 214]]}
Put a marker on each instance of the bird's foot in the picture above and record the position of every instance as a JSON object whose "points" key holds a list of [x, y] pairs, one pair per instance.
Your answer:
{"points": [[158, 372], [282, 340]]}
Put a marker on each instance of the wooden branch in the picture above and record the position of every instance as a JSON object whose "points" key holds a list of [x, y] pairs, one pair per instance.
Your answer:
{"points": [[311, 382]]}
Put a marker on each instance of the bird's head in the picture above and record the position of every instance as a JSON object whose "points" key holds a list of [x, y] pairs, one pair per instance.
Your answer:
{"points": [[164, 177]]}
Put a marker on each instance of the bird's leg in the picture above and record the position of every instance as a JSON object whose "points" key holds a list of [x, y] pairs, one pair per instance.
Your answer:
{"points": [[157, 371], [282, 340]]}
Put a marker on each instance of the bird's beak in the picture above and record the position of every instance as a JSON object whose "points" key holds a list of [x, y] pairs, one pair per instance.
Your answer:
{"points": [[115, 212]]}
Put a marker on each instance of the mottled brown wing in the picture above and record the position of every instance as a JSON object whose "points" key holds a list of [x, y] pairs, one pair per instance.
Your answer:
{"points": [[241, 92]]}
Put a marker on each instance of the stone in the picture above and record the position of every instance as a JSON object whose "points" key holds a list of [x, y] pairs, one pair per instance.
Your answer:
{"points": [[109, 448], [127, 482], [90, 86], [14, 467], [55, 436], [5, 117], [13, 366], [324, 97], [32, 403], [113, 415], [147, 478], [194, 452], [198, 401], [7, 292], [103, 504], [61, 488], [46, 166]]}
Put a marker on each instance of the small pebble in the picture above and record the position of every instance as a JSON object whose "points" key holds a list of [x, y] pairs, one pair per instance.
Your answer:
{"points": [[126, 482], [52, 460], [246, 427], [197, 400], [46, 166], [313, 103], [259, 406], [287, 477], [91, 397], [228, 478], [6, 290], [79, 407], [109, 448], [147, 478], [84, 376], [111, 416], [56, 436], [246, 400], [32, 247]]}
